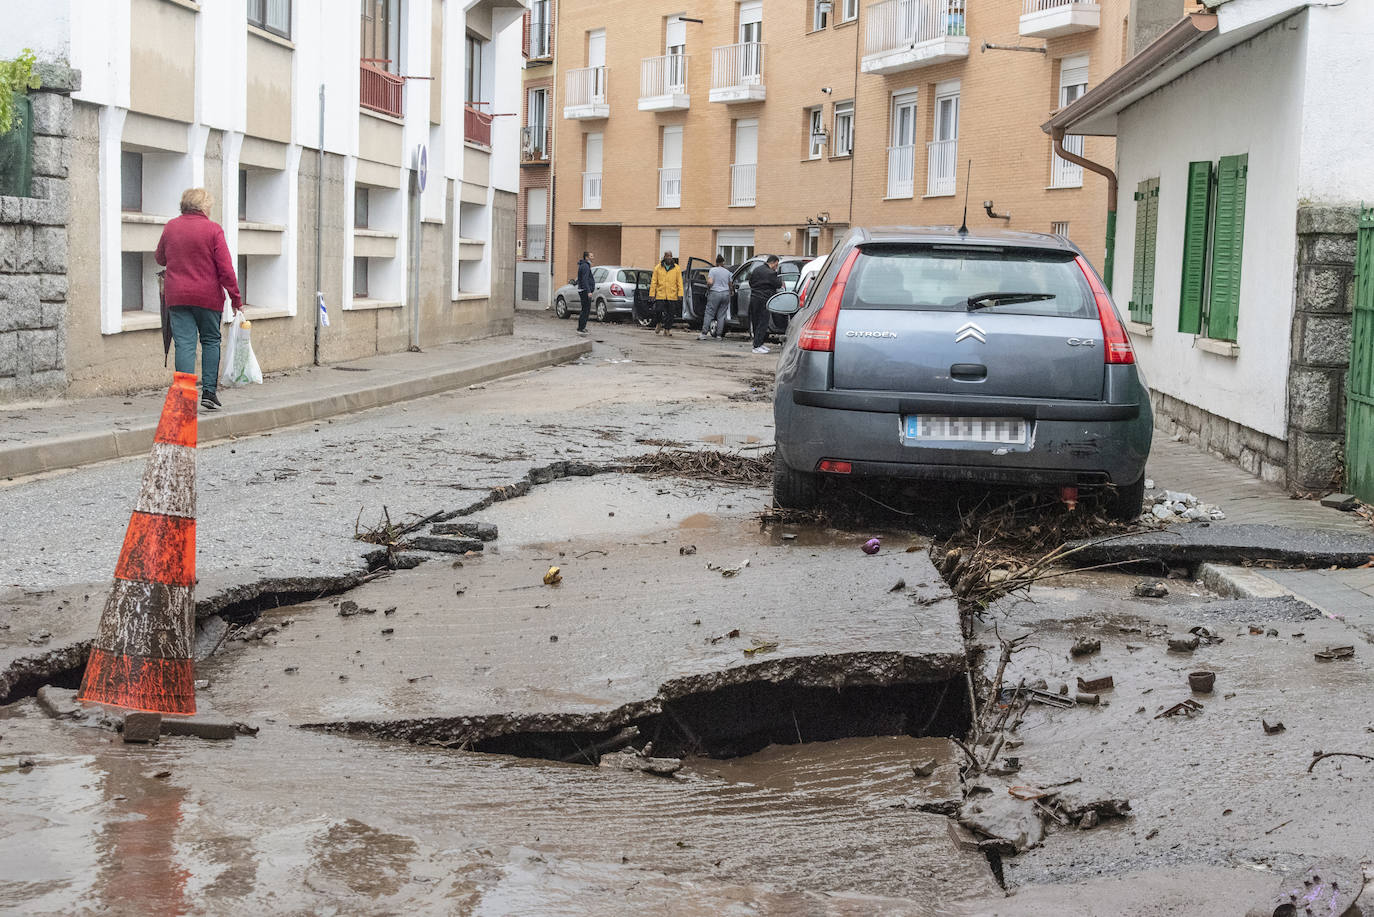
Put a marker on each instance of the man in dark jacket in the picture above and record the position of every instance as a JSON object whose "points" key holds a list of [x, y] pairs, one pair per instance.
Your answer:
{"points": [[763, 283], [585, 286]]}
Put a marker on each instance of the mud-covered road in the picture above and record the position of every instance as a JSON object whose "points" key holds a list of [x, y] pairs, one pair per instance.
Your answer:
{"points": [[410, 728]]}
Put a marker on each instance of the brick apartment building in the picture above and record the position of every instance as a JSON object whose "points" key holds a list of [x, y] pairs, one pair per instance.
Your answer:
{"points": [[535, 209], [744, 126]]}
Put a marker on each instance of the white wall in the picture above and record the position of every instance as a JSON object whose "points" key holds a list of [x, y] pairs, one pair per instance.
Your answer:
{"points": [[44, 27], [1338, 105], [1247, 100]]}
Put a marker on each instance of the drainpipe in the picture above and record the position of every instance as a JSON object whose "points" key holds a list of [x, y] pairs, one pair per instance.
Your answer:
{"points": [[319, 223], [1058, 135]]}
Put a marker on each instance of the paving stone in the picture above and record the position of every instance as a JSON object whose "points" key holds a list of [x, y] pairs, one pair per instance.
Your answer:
{"points": [[205, 724], [142, 727], [59, 703]]}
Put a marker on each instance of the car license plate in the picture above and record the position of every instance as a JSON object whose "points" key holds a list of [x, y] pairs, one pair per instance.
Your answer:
{"points": [[1010, 431]]}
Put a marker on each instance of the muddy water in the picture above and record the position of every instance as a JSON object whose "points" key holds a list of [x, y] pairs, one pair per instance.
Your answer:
{"points": [[293, 822]]}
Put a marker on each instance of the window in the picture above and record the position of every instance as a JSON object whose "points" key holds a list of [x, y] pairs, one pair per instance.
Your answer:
{"points": [[131, 281], [535, 137], [272, 15], [669, 240], [360, 278], [815, 118], [1060, 229], [670, 172], [843, 143], [539, 29], [1213, 237], [901, 154], [536, 222], [599, 275], [944, 149], [360, 208], [473, 73], [243, 195], [131, 182], [381, 33], [811, 241], [243, 278], [820, 14], [675, 47], [1143, 264], [736, 245], [1073, 82], [849, 10]]}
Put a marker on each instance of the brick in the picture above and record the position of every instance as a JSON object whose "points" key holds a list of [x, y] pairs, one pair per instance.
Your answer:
{"points": [[52, 114], [50, 249], [9, 209], [9, 354], [1325, 340], [1342, 220], [1331, 249], [52, 287], [50, 157], [142, 727], [205, 724], [1323, 289]]}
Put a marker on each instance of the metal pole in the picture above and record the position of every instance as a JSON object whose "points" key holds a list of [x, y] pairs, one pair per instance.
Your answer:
{"points": [[413, 281], [319, 228]]}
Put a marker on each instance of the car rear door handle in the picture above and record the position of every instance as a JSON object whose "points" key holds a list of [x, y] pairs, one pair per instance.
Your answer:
{"points": [[968, 372]]}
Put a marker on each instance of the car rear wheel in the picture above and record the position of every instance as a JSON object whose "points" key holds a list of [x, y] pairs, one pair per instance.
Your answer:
{"points": [[560, 307], [1125, 502], [794, 489], [601, 310]]}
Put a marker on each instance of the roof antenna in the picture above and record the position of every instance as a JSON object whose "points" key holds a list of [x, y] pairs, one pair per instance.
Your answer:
{"points": [[963, 229]]}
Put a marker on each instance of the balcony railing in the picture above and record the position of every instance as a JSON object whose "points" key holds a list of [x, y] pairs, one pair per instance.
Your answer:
{"points": [[901, 170], [662, 76], [941, 170], [586, 86], [535, 237], [476, 124], [894, 25], [670, 187], [1065, 174], [591, 190], [379, 90], [534, 143], [1055, 18], [1040, 6], [541, 40], [737, 72], [743, 176]]}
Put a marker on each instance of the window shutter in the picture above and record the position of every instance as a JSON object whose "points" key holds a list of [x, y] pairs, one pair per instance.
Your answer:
{"points": [[1194, 248], [1147, 299], [1138, 262], [1224, 302]]}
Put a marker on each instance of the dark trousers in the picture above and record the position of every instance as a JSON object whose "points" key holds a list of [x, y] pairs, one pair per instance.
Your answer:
{"points": [[758, 320], [586, 310], [663, 313]]}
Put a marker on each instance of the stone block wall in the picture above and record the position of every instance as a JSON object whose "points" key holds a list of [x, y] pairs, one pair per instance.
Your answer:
{"points": [[1258, 453], [33, 252], [1320, 352]]}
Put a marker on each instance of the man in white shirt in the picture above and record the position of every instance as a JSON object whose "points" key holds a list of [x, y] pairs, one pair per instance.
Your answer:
{"points": [[718, 295]]}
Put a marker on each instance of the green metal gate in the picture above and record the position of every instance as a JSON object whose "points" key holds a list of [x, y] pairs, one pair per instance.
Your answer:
{"points": [[1359, 423]]}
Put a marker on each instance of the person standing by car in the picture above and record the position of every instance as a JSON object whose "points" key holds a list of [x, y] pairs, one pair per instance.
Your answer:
{"points": [[585, 286], [719, 291], [665, 289], [763, 283], [199, 274]]}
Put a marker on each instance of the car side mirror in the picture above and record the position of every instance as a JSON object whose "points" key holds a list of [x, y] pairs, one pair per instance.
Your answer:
{"points": [[784, 303]]}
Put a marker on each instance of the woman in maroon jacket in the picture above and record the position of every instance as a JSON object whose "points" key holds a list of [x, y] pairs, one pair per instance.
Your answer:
{"points": [[199, 273]]}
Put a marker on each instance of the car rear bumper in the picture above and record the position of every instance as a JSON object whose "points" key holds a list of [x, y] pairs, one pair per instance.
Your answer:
{"points": [[1094, 444]]}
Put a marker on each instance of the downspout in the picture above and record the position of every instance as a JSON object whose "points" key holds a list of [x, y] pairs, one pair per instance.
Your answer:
{"points": [[1058, 135], [319, 223]]}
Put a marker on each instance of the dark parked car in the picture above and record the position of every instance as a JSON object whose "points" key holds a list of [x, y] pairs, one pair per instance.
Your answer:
{"points": [[994, 356], [618, 290]]}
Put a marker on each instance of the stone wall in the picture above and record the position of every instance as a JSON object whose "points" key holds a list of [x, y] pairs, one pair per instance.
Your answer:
{"points": [[1320, 353], [1260, 454], [33, 252]]}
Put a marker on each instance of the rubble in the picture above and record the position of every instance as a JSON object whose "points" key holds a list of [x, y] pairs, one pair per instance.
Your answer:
{"points": [[643, 761], [483, 531], [1085, 646], [1150, 589], [1169, 507], [142, 727], [1184, 643]]}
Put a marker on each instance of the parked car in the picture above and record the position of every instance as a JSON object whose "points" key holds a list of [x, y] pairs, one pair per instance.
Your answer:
{"points": [[994, 356], [694, 284], [810, 271], [617, 290]]}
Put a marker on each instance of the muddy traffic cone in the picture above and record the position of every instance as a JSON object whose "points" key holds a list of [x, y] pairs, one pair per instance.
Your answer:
{"points": [[142, 655]]}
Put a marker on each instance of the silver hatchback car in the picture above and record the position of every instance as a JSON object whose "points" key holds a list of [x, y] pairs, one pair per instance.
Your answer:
{"points": [[991, 356]]}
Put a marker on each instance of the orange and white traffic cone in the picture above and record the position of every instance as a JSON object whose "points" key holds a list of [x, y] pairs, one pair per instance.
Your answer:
{"points": [[142, 655]]}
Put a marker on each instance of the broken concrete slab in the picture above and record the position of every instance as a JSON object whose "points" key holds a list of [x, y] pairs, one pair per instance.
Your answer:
{"points": [[1340, 501], [484, 531], [1011, 824], [141, 727], [59, 703], [210, 633], [204, 724], [1231, 543], [1327, 888], [446, 544], [643, 761]]}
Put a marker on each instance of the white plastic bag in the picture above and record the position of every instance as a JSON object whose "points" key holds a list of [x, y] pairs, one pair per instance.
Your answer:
{"points": [[239, 365]]}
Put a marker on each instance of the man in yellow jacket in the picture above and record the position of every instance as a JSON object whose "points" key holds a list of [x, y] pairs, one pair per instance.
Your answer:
{"points": [[665, 289]]}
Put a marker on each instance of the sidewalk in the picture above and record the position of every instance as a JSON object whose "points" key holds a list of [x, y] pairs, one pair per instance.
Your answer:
{"points": [[1348, 594], [68, 434]]}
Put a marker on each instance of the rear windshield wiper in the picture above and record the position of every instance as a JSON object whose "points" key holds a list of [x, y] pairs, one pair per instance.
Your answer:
{"points": [[983, 300]]}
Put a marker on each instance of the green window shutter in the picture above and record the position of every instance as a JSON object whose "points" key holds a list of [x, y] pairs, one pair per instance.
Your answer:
{"points": [[1147, 299], [1194, 248], [1223, 308], [1138, 269]]}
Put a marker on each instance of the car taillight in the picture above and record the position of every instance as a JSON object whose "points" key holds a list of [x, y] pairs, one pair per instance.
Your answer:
{"points": [[617, 290], [1118, 344], [819, 331], [835, 466]]}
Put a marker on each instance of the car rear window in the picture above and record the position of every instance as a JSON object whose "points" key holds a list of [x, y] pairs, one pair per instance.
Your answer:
{"points": [[942, 278]]}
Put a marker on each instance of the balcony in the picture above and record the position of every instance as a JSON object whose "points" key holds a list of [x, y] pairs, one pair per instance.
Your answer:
{"points": [[540, 47], [901, 171], [476, 124], [663, 83], [1052, 18], [737, 73], [591, 190], [942, 167], [670, 187], [379, 90], [908, 34], [586, 94], [1065, 174], [535, 237], [743, 176], [534, 144]]}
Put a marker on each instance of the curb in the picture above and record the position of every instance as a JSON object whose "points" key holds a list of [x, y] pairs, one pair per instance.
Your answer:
{"points": [[87, 448], [1242, 583]]}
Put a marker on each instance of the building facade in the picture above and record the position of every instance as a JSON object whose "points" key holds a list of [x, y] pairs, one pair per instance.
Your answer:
{"points": [[535, 217], [748, 126], [359, 159], [1241, 239]]}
